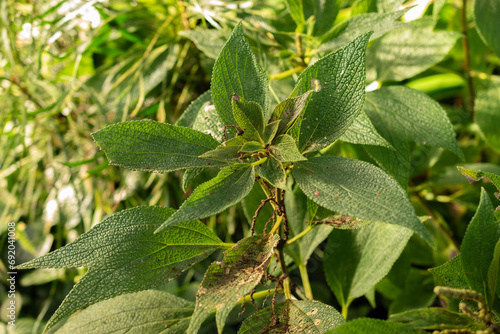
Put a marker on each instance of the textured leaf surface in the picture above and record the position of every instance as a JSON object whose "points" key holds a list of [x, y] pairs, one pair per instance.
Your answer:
{"points": [[236, 71], [451, 273], [344, 32], [202, 116], [476, 175], [227, 151], [332, 110], [250, 118], [478, 246], [273, 172], [494, 274], [300, 316], [125, 256], [288, 111], [344, 222], [412, 115], [486, 13], [433, 318], [209, 41], [148, 311], [226, 189], [407, 51], [356, 260], [298, 217], [363, 132], [358, 189], [370, 326], [324, 13], [285, 149], [228, 281], [153, 146], [486, 111]]}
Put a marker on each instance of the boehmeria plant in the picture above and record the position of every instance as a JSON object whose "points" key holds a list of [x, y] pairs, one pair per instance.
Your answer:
{"points": [[279, 157]]}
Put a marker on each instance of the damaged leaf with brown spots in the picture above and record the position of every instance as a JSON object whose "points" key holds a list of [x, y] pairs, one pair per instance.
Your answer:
{"points": [[229, 280]]}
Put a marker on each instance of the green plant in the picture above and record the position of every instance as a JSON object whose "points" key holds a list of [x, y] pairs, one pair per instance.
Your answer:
{"points": [[282, 160]]}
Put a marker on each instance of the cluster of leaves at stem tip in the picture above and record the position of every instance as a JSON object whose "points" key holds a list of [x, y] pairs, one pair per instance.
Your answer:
{"points": [[232, 128]]}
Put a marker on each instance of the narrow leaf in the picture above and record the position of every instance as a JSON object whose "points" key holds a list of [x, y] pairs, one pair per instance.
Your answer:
{"points": [[478, 247], [252, 146], [226, 189], [331, 112], [356, 260], [285, 149], [370, 326], [288, 111], [153, 146], [249, 117], [236, 71], [228, 281], [359, 189], [227, 151], [299, 316], [273, 172], [124, 256], [150, 311], [270, 131], [434, 318]]}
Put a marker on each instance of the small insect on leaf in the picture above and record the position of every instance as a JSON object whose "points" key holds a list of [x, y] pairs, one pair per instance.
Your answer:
{"points": [[315, 85], [235, 97]]}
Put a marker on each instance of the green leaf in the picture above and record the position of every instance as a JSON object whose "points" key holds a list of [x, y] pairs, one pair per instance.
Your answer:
{"points": [[272, 171], [236, 71], [451, 273], [228, 281], [249, 117], [324, 13], [297, 218], [330, 113], [288, 111], [407, 51], [344, 222], [252, 146], [476, 175], [494, 273], [370, 326], [486, 14], [202, 116], [226, 189], [384, 6], [209, 41], [285, 149], [189, 175], [478, 247], [356, 260], [411, 115], [344, 32], [153, 146], [298, 316], [227, 151], [124, 255], [358, 189], [363, 132], [433, 318], [270, 131], [486, 111], [150, 311]]}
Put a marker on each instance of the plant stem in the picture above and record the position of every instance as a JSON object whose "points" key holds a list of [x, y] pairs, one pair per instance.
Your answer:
{"points": [[287, 73], [345, 307], [305, 281], [286, 281], [276, 225], [468, 76], [227, 244], [301, 234], [257, 295]]}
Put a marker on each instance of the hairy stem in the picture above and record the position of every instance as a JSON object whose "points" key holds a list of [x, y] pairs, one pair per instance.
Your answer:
{"points": [[305, 281]]}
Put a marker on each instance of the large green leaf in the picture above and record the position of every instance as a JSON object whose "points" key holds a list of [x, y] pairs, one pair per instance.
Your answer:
{"points": [[153, 146], [228, 281], [356, 260], [363, 132], [434, 318], [202, 116], [478, 247], [359, 189], [300, 316], [451, 273], [288, 111], [486, 111], [226, 189], [249, 117], [150, 311], [124, 255], [236, 71], [486, 13], [341, 78], [209, 41], [411, 115], [407, 51], [370, 326], [344, 32]]}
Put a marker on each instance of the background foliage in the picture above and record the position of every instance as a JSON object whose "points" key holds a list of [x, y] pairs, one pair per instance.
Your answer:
{"points": [[70, 68]]}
